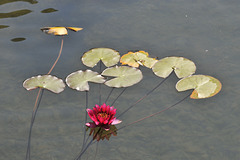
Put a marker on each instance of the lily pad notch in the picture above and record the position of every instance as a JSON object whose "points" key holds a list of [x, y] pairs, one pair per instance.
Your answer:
{"points": [[182, 67], [124, 76], [79, 80], [108, 56]]}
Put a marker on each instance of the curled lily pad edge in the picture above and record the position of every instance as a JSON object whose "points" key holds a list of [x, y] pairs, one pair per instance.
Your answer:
{"points": [[38, 76], [194, 94]]}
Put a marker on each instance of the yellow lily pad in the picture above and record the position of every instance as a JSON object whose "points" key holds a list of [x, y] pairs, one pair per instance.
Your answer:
{"points": [[182, 67], [108, 56], [204, 86], [59, 31], [135, 59], [48, 82]]}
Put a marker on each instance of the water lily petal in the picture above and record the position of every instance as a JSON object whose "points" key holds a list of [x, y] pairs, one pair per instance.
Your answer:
{"points": [[106, 127], [91, 125], [116, 121]]}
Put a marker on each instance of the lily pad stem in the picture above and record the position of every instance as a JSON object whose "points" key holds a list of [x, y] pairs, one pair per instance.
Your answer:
{"points": [[100, 85], [118, 96], [35, 109], [143, 97], [84, 150], [84, 138], [59, 54], [109, 94], [156, 112], [37, 103]]}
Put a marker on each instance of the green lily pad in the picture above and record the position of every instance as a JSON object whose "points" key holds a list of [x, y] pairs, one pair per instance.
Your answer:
{"points": [[204, 86], [48, 82], [135, 59], [79, 80], [183, 67], [125, 76], [108, 56]]}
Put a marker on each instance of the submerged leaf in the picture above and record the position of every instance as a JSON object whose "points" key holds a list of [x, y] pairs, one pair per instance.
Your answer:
{"points": [[79, 80], [49, 10], [135, 59], [15, 13], [204, 86], [48, 82], [18, 39], [3, 26], [59, 31], [183, 67], [108, 56], [125, 76]]}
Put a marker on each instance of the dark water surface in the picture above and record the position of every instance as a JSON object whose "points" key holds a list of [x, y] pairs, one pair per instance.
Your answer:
{"points": [[207, 32]]}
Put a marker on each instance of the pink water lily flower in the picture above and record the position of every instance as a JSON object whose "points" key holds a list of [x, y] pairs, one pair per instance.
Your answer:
{"points": [[102, 117]]}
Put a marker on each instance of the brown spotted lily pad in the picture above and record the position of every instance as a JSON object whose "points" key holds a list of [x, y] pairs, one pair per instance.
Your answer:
{"points": [[135, 59]]}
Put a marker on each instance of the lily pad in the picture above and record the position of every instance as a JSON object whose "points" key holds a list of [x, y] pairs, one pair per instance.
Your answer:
{"points": [[125, 76], [59, 31], [79, 80], [75, 29], [182, 67], [135, 59], [108, 56], [48, 82], [204, 86]]}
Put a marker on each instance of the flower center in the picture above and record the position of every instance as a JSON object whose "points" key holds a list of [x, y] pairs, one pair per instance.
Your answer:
{"points": [[103, 115]]}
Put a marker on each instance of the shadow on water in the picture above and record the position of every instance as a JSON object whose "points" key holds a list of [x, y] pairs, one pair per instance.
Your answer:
{"points": [[3, 26], [15, 13], [10, 1], [49, 10]]}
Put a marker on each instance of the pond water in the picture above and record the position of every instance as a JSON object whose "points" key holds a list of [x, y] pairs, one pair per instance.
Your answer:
{"points": [[207, 32]]}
